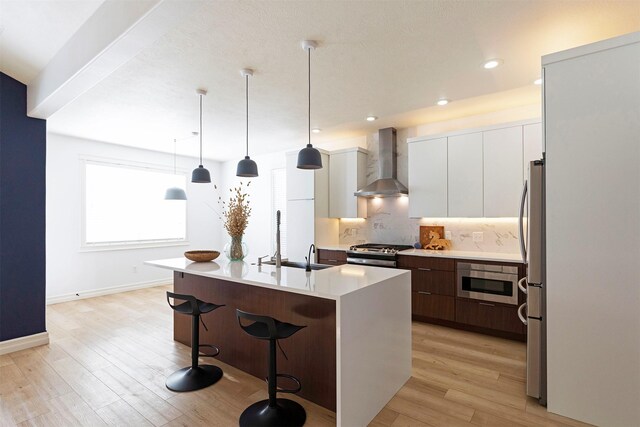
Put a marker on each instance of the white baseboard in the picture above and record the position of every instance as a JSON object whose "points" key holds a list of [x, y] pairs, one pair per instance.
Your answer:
{"points": [[106, 291], [23, 343]]}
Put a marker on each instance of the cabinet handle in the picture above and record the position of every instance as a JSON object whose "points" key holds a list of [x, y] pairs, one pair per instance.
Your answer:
{"points": [[424, 269], [487, 304], [424, 292], [332, 260]]}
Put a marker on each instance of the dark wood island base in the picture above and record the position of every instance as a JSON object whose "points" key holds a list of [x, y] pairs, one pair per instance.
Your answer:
{"points": [[311, 352]]}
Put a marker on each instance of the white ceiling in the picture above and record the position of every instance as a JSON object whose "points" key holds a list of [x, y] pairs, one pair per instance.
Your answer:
{"points": [[31, 32], [392, 59]]}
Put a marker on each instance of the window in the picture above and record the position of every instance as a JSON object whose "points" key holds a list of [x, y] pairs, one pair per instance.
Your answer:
{"points": [[279, 202], [124, 206]]}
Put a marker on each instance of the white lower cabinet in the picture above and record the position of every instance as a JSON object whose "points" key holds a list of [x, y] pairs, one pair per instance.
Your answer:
{"points": [[428, 178], [464, 172], [502, 159]]}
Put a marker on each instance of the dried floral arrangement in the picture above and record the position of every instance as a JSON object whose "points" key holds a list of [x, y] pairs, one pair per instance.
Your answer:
{"points": [[236, 212]]}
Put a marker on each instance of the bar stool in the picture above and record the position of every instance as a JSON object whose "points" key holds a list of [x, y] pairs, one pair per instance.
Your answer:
{"points": [[194, 377], [272, 412]]}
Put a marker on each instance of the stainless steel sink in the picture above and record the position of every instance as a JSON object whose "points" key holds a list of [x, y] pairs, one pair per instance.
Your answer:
{"points": [[299, 265]]}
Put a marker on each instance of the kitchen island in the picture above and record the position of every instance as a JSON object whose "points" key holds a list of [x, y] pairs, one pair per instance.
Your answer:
{"points": [[355, 352]]}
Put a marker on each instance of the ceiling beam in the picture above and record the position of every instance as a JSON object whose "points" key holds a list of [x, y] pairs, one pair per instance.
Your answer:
{"points": [[113, 35]]}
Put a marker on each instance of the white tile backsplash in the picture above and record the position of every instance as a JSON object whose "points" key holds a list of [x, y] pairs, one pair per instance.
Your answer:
{"points": [[388, 222]]}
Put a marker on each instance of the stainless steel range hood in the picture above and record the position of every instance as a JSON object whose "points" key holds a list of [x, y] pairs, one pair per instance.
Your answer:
{"points": [[386, 185]]}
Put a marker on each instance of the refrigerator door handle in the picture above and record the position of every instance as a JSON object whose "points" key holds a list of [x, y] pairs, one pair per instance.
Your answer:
{"points": [[521, 285], [523, 200], [522, 317]]}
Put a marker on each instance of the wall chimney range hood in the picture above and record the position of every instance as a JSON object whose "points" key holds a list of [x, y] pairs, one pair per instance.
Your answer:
{"points": [[386, 185]]}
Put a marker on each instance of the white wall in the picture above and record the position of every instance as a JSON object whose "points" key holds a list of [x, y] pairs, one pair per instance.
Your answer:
{"points": [[261, 229], [70, 270]]}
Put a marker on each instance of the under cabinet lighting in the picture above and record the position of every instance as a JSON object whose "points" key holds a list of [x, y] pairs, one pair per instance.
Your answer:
{"points": [[371, 118], [316, 130], [442, 101]]}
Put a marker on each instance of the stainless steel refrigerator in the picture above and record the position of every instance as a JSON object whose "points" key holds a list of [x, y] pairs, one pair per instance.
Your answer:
{"points": [[532, 246]]}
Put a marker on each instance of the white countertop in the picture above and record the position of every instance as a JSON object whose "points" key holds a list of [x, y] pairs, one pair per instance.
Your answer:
{"points": [[330, 283], [335, 247], [449, 253], [452, 253]]}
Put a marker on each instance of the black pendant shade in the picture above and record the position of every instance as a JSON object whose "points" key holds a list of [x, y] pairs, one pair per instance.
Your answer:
{"points": [[309, 157], [200, 175], [247, 168]]}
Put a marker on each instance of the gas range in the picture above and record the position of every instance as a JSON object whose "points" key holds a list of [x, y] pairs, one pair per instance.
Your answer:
{"points": [[382, 255]]}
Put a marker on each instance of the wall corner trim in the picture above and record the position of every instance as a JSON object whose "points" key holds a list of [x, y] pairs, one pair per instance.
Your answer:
{"points": [[23, 343]]}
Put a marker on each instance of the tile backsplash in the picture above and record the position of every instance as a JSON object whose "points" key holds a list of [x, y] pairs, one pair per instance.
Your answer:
{"points": [[388, 222]]}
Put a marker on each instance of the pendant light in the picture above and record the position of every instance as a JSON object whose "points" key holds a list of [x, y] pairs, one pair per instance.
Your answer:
{"points": [[247, 167], [175, 193], [200, 174], [309, 157]]}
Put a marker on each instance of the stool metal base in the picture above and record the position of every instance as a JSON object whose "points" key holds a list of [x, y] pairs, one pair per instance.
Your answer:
{"points": [[189, 379], [286, 413]]}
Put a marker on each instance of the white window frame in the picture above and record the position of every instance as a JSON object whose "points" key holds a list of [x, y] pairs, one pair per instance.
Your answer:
{"points": [[125, 245]]}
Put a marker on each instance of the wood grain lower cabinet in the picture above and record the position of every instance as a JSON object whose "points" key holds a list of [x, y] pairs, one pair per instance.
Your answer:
{"points": [[331, 257], [489, 315], [433, 281], [426, 304]]}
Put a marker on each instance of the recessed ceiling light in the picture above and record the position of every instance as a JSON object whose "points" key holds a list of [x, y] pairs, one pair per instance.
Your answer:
{"points": [[316, 130], [442, 101], [371, 118], [537, 82], [492, 63]]}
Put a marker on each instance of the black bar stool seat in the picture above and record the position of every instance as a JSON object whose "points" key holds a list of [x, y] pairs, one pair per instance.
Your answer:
{"points": [[196, 376], [272, 412]]}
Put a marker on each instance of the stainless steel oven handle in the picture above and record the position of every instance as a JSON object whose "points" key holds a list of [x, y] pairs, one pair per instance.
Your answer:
{"points": [[521, 286], [522, 317], [523, 199]]}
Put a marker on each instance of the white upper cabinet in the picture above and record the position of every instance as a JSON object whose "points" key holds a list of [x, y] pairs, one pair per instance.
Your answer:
{"points": [[532, 145], [428, 178], [347, 174], [464, 174], [300, 182], [502, 171]]}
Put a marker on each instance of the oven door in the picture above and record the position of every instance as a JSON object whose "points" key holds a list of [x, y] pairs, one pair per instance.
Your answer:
{"points": [[488, 286]]}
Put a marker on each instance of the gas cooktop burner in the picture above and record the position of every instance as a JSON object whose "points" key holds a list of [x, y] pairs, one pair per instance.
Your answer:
{"points": [[379, 248]]}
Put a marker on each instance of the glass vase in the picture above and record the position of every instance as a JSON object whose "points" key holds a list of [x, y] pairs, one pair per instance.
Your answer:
{"points": [[236, 249]]}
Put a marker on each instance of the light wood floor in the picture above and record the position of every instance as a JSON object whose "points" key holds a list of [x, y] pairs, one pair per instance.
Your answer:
{"points": [[109, 357]]}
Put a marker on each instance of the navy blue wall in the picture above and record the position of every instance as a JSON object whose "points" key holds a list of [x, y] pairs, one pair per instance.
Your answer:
{"points": [[22, 214]]}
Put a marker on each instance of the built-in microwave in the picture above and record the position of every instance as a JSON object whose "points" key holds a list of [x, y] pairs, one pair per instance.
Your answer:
{"points": [[488, 282]]}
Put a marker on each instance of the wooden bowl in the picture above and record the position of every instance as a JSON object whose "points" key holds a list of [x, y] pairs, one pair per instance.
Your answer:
{"points": [[201, 256]]}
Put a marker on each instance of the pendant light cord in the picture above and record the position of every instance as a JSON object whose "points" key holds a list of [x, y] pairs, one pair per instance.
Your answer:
{"points": [[246, 77], [201, 129], [174, 156], [309, 106]]}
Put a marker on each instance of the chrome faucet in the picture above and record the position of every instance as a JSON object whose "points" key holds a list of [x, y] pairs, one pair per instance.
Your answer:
{"points": [[278, 255], [308, 259]]}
